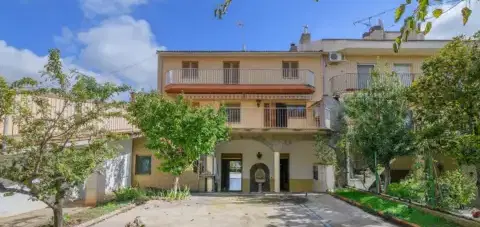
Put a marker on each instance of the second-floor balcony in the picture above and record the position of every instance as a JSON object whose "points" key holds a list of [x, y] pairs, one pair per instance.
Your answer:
{"points": [[240, 81], [294, 118], [349, 82]]}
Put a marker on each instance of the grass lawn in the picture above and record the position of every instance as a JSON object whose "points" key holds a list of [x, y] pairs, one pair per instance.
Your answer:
{"points": [[395, 209], [95, 212]]}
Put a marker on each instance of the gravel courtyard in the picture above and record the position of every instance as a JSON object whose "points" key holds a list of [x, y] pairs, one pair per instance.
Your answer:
{"points": [[230, 210]]}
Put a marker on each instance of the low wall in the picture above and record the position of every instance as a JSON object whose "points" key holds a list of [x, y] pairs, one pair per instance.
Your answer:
{"points": [[461, 220]]}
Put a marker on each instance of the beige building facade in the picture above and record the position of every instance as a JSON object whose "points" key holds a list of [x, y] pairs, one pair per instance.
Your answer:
{"points": [[277, 102]]}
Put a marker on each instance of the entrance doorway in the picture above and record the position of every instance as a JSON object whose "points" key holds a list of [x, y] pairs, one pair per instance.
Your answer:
{"points": [[231, 173], [284, 172]]}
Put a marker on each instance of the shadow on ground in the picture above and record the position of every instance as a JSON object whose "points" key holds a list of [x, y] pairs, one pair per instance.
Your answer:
{"points": [[290, 210]]}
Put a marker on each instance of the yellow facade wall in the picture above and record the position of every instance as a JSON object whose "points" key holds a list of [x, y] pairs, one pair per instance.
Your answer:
{"points": [[158, 179]]}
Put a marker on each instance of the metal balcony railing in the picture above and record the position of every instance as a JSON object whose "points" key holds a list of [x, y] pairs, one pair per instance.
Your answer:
{"points": [[241, 76], [355, 81], [275, 118]]}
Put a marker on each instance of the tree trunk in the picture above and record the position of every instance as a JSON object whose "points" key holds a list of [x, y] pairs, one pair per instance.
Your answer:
{"points": [[387, 175], [58, 215], [58, 207], [175, 185], [430, 176], [377, 176]]}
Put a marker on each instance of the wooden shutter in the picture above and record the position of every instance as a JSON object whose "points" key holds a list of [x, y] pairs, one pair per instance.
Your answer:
{"points": [[194, 65]]}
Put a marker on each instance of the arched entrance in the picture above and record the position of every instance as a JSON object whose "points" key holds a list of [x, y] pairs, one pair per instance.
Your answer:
{"points": [[253, 184]]}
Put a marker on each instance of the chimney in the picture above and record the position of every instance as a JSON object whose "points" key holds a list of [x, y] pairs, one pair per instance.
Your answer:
{"points": [[293, 47], [305, 38]]}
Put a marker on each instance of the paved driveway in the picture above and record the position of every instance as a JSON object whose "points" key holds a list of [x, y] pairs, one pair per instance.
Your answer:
{"points": [[268, 211]]}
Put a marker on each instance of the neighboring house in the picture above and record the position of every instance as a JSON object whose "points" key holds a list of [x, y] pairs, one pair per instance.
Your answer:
{"points": [[346, 66], [114, 174]]}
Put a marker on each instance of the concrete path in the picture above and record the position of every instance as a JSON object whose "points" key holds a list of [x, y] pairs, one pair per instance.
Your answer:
{"points": [[231, 211]]}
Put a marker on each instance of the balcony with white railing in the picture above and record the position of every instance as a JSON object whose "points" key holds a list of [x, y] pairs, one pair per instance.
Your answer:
{"points": [[236, 81], [354, 81], [274, 118]]}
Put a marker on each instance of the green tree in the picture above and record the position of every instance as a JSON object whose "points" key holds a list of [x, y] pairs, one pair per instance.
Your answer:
{"points": [[423, 11], [446, 107], [419, 20], [45, 159], [176, 132], [378, 125]]}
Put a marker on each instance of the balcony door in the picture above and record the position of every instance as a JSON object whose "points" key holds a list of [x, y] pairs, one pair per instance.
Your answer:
{"points": [[231, 72], [403, 71], [363, 75]]}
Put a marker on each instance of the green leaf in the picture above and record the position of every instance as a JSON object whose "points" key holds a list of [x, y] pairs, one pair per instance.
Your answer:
{"points": [[437, 13], [466, 12], [408, 1], [399, 12], [428, 27], [411, 24], [397, 43]]}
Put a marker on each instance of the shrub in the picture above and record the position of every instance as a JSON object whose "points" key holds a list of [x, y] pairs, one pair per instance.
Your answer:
{"points": [[180, 195], [129, 194], [456, 190], [398, 190], [413, 187]]}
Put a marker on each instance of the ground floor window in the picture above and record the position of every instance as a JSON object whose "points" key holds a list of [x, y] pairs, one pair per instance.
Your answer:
{"points": [[143, 164]]}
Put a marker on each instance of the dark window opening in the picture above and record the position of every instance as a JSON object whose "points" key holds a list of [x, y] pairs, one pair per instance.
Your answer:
{"points": [[143, 165]]}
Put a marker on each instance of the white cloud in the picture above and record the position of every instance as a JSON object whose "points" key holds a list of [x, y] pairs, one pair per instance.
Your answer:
{"points": [[16, 64], [450, 24], [66, 40], [124, 46], [92, 8]]}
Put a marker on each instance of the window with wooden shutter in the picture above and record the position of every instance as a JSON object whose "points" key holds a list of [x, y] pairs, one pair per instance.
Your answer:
{"points": [[290, 69], [189, 69]]}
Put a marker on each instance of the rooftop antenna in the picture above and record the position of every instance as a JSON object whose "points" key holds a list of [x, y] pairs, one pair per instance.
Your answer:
{"points": [[367, 21], [305, 29], [241, 25]]}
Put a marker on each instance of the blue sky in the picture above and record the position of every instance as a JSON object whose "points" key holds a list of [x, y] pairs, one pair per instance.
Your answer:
{"points": [[111, 38]]}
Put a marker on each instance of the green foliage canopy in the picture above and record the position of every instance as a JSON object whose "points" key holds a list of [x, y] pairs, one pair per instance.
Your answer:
{"points": [[45, 158], [175, 131], [378, 121]]}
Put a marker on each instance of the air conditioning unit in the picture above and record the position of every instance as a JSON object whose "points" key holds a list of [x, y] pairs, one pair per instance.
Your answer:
{"points": [[335, 57]]}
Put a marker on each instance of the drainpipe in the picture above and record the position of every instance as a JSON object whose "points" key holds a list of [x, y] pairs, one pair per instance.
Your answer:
{"points": [[324, 70]]}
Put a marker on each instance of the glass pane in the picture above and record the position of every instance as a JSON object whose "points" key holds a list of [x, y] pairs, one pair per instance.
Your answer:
{"points": [[143, 164], [363, 72], [235, 176]]}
